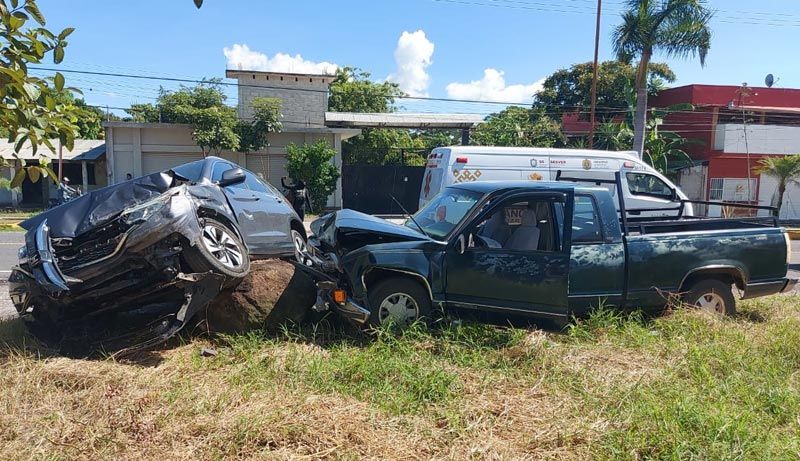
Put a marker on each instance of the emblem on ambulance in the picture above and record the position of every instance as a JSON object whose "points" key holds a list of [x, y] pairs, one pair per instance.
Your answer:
{"points": [[535, 176], [587, 164]]}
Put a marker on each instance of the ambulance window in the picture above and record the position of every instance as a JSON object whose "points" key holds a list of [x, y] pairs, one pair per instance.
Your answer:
{"points": [[647, 184]]}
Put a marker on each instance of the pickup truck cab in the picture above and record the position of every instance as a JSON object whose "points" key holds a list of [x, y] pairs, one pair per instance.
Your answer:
{"points": [[545, 249]]}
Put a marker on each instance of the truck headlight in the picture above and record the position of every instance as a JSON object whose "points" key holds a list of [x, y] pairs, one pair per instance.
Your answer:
{"points": [[144, 211], [22, 255]]}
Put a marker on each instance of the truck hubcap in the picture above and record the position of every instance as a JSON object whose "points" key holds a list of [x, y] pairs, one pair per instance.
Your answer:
{"points": [[398, 308], [223, 246], [711, 302]]}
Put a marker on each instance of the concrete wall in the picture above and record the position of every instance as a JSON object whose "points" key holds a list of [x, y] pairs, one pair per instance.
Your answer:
{"points": [[761, 139], [304, 99]]}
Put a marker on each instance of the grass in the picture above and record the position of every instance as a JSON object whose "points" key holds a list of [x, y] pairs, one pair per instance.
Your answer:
{"points": [[681, 386]]}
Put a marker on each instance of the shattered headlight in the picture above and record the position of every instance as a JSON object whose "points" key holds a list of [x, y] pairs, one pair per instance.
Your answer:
{"points": [[144, 211], [22, 255]]}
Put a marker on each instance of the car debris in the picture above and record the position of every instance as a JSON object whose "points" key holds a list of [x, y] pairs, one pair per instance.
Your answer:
{"points": [[129, 265]]}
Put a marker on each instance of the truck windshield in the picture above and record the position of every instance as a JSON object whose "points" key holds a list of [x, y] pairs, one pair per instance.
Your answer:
{"points": [[444, 212]]}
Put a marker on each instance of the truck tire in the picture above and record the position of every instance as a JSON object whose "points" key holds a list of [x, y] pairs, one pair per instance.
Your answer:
{"points": [[399, 301], [220, 250], [713, 296]]}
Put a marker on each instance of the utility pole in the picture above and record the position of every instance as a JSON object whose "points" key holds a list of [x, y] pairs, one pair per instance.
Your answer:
{"points": [[594, 77]]}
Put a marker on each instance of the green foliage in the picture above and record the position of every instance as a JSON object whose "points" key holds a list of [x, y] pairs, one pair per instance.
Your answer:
{"points": [[519, 126], [30, 110], [613, 136], [311, 163], [569, 90], [352, 91], [214, 124], [266, 119]]}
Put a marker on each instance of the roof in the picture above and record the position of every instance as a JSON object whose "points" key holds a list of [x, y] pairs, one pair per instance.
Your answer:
{"points": [[345, 132], [486, 187], [401, 120], [93, 148], [499, 150], [232, 73], [722, 95]]}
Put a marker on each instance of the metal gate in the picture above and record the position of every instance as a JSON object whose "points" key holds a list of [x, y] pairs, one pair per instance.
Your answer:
{"points": [[369, 188]]}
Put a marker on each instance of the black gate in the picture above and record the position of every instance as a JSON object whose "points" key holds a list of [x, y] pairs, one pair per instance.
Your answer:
{"points": [[369, 188]]}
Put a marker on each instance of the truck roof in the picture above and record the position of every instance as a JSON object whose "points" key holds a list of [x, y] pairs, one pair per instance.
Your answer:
{"points": [[486, 187], [499, 150]]}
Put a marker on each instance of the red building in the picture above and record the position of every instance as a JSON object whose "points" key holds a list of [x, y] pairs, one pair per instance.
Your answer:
{"points": [[733, 128]]}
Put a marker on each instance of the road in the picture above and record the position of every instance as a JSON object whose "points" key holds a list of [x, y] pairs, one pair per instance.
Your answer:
{"points": [[11, 241]]}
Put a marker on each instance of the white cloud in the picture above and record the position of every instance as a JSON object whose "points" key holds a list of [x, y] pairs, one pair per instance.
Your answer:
{"points": [[241, 57], [413, 57], [492, 87]]}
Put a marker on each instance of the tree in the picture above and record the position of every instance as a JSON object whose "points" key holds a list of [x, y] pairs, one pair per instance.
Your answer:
{"points": [[29, 107], [311, 163], [786, 169], [352, 91], [266, 119], [676, 27], [214, 124], [569, 90], [519, 126]]}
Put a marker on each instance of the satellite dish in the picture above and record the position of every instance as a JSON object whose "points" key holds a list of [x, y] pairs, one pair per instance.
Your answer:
{"points": [[769, 80]]}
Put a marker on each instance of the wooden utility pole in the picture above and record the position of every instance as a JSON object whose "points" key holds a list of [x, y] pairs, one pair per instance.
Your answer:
{"points": [[594, 77]]}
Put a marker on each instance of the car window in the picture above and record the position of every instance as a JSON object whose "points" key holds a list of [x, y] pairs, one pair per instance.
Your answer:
{"points": [[190, 171], [521, 225], [647, 184], [586, 226], [255, 184]]}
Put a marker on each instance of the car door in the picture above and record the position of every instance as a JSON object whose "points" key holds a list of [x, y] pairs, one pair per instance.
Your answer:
{"points": [[272, 217], [515, 258]]}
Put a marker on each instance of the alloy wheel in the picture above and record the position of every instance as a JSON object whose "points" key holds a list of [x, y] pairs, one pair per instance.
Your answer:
{"points": [[300, 248], [223, 246]]}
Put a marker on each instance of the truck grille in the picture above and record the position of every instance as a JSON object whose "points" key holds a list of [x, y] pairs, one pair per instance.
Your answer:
{"points": [[89, 248]]}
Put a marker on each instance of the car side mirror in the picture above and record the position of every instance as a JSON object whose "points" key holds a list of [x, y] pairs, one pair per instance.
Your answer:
{"points": [[231, 177]]}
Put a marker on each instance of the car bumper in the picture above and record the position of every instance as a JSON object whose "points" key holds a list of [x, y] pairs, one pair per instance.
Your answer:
{"points": [[755, 290]]}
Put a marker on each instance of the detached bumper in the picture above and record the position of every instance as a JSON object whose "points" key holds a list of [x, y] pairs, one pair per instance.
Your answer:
{"points": [[350, 309]]}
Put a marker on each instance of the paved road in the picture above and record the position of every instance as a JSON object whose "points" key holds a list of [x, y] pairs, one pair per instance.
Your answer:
{"points": [[11, 241]]}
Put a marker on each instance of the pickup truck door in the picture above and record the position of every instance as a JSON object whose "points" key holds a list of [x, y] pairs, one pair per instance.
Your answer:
{"points": [[515, 258]]}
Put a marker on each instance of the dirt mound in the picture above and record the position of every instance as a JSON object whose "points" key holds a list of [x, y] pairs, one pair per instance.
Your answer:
{"points": [[273, 293]]}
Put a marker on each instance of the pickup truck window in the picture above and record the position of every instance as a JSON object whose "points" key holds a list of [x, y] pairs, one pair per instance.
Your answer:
{"points": [[647, 184], [444, 212], [520, 225], [586, 227]]}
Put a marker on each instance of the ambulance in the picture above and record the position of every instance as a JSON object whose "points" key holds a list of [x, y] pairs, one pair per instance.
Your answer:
{"points": [[642, 186]]}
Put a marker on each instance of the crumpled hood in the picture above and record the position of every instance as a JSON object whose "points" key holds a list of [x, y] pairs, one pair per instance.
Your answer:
{"points": [[346, 230], [100, 206]]}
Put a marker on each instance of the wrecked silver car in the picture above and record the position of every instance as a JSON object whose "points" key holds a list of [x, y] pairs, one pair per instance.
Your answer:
{"points": [[133, 262]]}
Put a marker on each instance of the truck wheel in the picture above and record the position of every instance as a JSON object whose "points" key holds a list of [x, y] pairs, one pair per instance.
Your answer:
{"points": [[712, 296], [218, 250], [399, 301]]}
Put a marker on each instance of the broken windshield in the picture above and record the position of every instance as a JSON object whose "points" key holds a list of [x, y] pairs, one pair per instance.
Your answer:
{"points": [[444, 212]]}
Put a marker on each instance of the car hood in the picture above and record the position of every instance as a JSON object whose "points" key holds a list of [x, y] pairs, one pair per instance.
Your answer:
{"points": [[100, 206], [350, 229]]}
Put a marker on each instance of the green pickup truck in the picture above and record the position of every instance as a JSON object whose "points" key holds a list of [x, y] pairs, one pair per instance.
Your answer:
{"points": [[544, 249]]}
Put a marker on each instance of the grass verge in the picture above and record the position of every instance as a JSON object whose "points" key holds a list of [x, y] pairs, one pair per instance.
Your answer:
{"points": [[681, 386]]}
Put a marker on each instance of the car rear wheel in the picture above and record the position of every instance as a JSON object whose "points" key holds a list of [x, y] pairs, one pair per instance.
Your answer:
{"points": [[713, 296], [398, 301], [218, 250]]}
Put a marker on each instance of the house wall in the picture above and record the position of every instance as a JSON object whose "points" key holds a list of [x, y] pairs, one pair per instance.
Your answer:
{"points": [[304, 99]]}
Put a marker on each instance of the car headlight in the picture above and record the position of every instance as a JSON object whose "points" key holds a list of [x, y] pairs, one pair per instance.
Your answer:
{"points": [[144, 211], [22, 254]]}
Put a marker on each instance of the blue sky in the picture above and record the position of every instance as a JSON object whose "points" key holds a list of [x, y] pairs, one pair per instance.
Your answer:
{"points": [[519, 41]]}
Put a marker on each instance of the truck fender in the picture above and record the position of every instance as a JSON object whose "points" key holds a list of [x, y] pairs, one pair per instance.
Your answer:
{"points": [[736, 274], [372, 274]]}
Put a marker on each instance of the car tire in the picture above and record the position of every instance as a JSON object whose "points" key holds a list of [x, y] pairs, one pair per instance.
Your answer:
{"points": [[399, 301], [220, 250], [711, 295], [300, 243]]}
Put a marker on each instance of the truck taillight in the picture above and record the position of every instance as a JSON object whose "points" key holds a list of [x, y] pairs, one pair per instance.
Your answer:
{"points": [[461, 159]]}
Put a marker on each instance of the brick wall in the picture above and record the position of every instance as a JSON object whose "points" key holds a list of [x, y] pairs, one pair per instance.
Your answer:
{"points": [[304, 99]]}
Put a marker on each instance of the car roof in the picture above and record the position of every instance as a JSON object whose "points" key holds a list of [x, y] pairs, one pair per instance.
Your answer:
{"points": [[500, 150], [488, 187]]}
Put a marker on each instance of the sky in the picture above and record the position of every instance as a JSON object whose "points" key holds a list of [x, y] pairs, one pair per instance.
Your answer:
{"points": [[487, 50]]}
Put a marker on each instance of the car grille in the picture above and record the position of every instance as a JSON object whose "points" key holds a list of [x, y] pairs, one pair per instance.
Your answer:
{"points": [[89, 248]]}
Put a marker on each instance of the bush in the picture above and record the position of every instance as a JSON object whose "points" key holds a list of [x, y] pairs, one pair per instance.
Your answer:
{"points": [[311, 163]]}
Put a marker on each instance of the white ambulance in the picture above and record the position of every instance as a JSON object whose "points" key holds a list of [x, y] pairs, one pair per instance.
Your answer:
{"points": [[642, 186]]}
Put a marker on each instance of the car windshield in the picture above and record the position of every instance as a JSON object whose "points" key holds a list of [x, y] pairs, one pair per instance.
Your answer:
{"points": [[190, 171], [444, 212]]}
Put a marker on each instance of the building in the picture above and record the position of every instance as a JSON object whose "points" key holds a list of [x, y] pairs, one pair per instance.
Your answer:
{"points": [[141, 148], [731, 129], [84, 165]]}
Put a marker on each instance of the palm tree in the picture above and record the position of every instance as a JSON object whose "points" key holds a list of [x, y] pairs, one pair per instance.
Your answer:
{"points": [[786, 169], [675, 27]]}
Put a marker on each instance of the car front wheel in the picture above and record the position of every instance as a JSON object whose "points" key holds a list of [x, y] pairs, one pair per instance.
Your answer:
{"points": [[300, 247], [218, 250], [398, 301]]}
